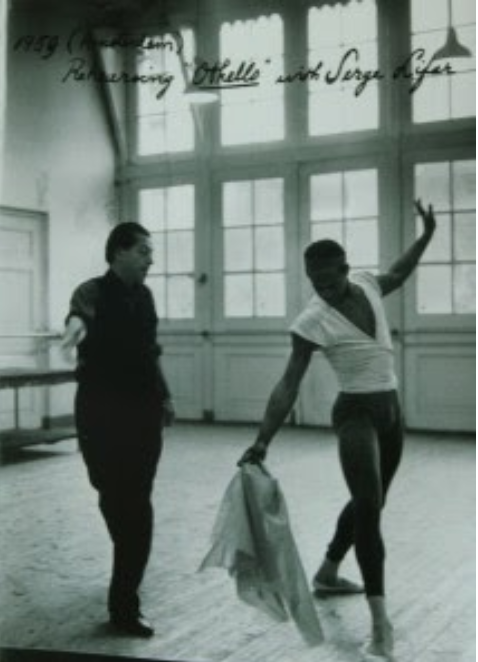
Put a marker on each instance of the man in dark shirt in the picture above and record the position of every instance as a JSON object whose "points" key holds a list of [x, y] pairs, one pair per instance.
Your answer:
{"points": [[121, 405]]}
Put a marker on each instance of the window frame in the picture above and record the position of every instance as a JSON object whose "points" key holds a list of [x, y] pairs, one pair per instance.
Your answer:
{"points": [[415, 321], [131, 103], [251, 325], [163, 181]]}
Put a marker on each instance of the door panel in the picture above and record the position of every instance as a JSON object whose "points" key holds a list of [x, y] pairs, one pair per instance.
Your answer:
{"points": [[22, 309]]}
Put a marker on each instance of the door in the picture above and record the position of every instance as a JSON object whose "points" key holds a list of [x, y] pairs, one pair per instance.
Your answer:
{"points": [[22, 309]]}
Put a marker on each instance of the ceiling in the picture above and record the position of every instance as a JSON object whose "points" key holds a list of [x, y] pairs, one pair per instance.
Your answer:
{"points": [[115, 13]]}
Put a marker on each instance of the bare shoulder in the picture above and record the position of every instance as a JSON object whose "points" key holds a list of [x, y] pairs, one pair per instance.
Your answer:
{"points": [[388, 283]]}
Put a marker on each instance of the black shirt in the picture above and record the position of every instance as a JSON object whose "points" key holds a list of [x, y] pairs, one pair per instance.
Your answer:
{"points": [[120, 350]]}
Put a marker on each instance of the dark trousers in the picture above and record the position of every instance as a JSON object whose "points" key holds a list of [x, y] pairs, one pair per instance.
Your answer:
{"points": [[120, 437], [370, 433]]}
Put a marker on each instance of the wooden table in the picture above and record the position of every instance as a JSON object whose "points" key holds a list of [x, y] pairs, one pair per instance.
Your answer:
{"points": [[17, 378]]}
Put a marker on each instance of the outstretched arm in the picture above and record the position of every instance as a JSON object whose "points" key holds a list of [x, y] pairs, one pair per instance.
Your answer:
{"points": [[281, 400], [75, 331], [406, 264]]}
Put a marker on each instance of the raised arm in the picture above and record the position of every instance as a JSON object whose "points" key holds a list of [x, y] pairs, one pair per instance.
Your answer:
{"points": [[281, 399], [406, 264]]}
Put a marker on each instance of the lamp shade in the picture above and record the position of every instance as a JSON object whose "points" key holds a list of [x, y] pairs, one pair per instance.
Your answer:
{"points": [[452, 47]]}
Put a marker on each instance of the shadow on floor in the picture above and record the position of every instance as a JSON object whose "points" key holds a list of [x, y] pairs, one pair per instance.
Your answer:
{"points": [[29, 655]]}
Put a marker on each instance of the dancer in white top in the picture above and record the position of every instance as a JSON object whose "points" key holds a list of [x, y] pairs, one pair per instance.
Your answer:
{"points": [[345, 320]]}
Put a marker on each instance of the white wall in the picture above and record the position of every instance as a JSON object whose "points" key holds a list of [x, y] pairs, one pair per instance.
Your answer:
{"points": [[58, 158]]}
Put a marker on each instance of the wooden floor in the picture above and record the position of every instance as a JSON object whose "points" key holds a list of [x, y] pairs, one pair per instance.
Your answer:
{"points": [[54, 556]]}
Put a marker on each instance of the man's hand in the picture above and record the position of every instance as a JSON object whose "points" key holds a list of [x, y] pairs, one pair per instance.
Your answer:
{"points": [[169, 415], [428, 218], [254, 454], [74, 333]]}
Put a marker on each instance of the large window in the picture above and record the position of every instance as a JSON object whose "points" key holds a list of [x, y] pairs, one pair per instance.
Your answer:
{"points": [[344, 207], [445, 97], [446, 275], [168, 213], [253, 248], [253, 113], [164, 120], [335, 104]]}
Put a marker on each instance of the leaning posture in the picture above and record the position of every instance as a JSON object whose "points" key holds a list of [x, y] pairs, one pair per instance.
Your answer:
{"points": [[345, 320], [122, 403]]}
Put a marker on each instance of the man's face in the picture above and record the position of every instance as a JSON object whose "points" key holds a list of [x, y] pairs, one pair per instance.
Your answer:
{"points": [[133, 263], [329, 279]]}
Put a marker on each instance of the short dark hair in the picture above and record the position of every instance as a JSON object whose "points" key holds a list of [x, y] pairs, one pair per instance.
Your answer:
{"points": [[324, 250], [123, 236]]}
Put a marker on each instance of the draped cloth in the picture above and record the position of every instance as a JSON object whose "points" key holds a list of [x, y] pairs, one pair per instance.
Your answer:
{"points": [[253, 540]]}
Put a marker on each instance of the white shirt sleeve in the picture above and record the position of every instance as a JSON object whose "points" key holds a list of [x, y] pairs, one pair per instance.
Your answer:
{"points": [[308, 325]]}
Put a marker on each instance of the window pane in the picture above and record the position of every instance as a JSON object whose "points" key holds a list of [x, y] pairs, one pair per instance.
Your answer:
{"points": [[152, 209], [253, 249], [238, 295], [361, 193], [164, 121], [326, 113], [424, 19], [432, 183], [235, 124], [158, 288], [268, 201], [179, 131], [326, 197], [362, 243], [253, 114], [151, 135], [463, 93], [238, 249], [180, 207], [180, 297], [332, 231], [465, 291], [451, 186], [359, 21], [431, 102], [465, 237], [362, 112], [334, 108], [269, 249], [270, 298], [464, 11], [323, 25], [180, 252], [237, 203], [439, 250], [445, 97], [434, 289], [464, 184], [267, 120]]}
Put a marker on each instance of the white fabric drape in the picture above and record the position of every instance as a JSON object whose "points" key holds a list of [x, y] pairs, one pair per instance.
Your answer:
{"points": [[253, 540]]}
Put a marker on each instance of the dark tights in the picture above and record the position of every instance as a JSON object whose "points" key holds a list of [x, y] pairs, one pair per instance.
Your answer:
{"points": [[370, 432]]}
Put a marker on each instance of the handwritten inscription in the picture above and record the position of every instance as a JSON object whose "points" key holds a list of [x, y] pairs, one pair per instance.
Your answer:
{"points": [[80, 40], [347, 69], [223, 74], [80, 70], [416, 67]]}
